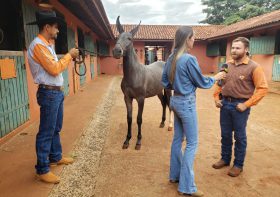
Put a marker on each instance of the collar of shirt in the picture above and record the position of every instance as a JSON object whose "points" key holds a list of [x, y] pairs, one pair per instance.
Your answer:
{"points": [[44, 40], [245, 61]]}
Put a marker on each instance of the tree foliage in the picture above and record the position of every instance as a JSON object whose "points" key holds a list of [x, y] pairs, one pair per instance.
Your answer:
{"points": [[231, 11]]}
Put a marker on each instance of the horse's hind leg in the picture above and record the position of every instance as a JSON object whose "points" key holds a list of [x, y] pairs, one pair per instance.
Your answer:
{"points": [[139, 122], [170, 125], [163, 103], [128, 103]]}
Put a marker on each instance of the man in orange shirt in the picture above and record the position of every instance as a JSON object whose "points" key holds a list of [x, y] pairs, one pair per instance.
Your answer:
{"points": [[47, 70], [245, 85]]}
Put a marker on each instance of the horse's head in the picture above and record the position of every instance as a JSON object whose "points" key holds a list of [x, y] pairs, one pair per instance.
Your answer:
{"points": [[124, 40]]}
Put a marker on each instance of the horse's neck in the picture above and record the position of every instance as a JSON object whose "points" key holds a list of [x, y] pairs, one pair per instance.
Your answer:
{"points": [[131, 66]]}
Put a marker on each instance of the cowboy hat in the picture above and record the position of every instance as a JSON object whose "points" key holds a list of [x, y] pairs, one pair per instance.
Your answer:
{"points": [[46, 17]]}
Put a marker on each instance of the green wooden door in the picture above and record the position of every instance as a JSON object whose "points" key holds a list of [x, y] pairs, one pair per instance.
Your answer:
{"points": [[212, 49], [82, 78], [89, 45], [92, 66], [65, 74], [65, 82], [31, 31], [276, 68], [14, 102], [262, 45]]}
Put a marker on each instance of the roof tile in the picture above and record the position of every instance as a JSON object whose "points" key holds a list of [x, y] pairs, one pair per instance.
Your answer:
{"points": [[202, 32], [166, 32]]}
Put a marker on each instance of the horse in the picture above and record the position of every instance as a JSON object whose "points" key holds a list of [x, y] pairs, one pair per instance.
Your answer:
{"points": [[139, 81]]}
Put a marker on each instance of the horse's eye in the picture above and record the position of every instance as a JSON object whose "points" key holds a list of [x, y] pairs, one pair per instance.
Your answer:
{"points": [[129, 38]]}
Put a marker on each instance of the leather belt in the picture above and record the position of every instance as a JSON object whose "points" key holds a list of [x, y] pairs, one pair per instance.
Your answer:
{"points": [[177, 94], [232, 99], [49, 87]]}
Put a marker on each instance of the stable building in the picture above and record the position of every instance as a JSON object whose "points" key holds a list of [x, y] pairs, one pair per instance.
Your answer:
{"points": [[88, 28]]}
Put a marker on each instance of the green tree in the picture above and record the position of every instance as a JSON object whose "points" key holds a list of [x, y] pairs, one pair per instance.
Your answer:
{"points": [[231, 11]]}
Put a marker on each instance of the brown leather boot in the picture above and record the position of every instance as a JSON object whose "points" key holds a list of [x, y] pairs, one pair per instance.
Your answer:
{"points": [[235, 171], [49, 177], [64, 160], [196, 194], [220, 164]]}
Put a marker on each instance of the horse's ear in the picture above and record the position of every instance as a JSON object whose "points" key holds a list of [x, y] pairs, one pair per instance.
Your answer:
{"points": [[134, 31], [119, 26]]}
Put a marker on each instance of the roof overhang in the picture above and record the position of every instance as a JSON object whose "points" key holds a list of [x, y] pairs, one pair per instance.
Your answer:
{"points": [[246, 31], [93, 15]]}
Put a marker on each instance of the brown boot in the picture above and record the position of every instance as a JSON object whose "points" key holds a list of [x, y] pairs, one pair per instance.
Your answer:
{"points": [[235, 171], [49, 177], [196, 194], [220, 164], [64, 160]]}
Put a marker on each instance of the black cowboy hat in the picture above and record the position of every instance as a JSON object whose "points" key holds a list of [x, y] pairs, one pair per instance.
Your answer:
{"points": [[46, 17]]}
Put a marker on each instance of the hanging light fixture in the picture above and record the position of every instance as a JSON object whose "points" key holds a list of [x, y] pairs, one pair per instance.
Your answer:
{"points": [[45, 4]]}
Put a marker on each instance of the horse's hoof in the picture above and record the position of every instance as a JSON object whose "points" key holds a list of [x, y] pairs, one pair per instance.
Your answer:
{"points": [[125, 146], [138, 147], [161, 125], [170, 128]]}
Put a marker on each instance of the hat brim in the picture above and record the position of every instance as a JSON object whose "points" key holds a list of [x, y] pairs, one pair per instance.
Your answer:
{"points": [[57, 20]]}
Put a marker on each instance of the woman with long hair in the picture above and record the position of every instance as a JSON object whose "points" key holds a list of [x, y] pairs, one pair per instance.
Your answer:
{"points": [[182, 74]]}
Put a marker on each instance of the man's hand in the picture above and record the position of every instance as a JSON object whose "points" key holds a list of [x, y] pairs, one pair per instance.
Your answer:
{"points": [[74, 52], [241, 107], [218, 103]]}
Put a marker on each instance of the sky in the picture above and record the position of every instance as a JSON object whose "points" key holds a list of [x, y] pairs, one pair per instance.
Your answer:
{"points": [[155, 12]]}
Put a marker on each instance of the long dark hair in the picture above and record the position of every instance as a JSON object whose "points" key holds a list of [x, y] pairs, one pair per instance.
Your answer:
{"points": [[183, 33]]}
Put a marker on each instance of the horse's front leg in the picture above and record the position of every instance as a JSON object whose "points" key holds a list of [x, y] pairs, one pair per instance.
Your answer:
{"points": [[139, 122], [128, 103]]}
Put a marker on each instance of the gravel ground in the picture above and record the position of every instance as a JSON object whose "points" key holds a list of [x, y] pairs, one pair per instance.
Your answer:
{"points": [[79, 179]]}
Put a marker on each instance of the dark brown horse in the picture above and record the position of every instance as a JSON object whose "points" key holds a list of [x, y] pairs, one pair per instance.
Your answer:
{"points": [[139, 81]]}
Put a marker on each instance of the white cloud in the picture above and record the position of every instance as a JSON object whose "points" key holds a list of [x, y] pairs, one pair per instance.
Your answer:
{"points": [[156, 12]]}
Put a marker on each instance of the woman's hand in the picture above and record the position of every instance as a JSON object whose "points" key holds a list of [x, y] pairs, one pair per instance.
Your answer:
{"points": [[220, 75]]}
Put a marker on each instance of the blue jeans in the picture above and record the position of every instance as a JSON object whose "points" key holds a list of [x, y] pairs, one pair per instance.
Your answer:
{"points": [[233, 120], [48, 146], [185, 125]]}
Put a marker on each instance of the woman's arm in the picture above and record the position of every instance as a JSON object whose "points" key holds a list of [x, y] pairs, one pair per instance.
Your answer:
{"points": [[196, 76]]}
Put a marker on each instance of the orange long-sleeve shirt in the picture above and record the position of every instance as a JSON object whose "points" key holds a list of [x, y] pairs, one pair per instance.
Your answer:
{"points": [[46, 59], [246, 80]]}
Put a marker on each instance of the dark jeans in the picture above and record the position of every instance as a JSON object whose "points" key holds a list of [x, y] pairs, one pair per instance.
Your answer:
{"points": [[233, 120], [48, 146]]}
